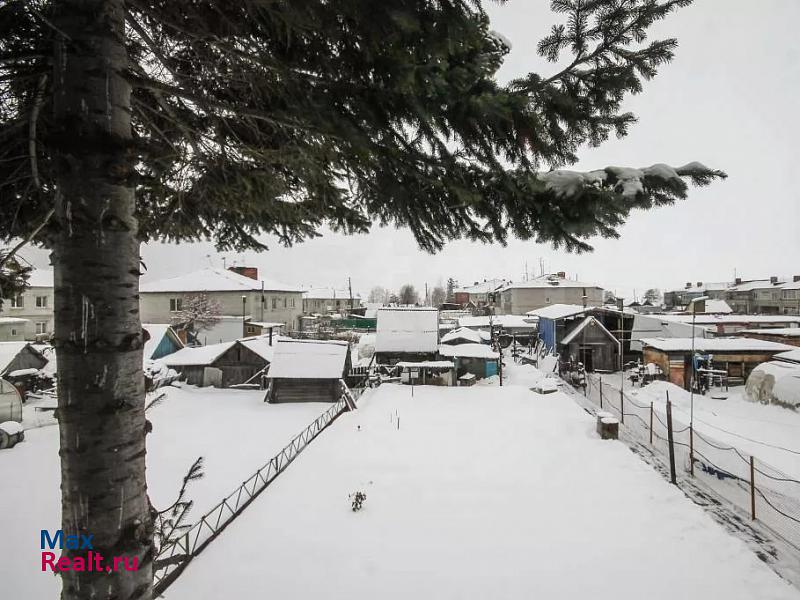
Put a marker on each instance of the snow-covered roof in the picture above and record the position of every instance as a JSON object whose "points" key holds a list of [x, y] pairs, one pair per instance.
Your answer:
{"points": [[714, 345], [756, 284], [40, 278], [704, 319], [212, 279], [266, 324], [549, 281], [791, 285], [157, 332], [309, 359], [583, 325], [407, 330], [329, 294], [791, 355], [9, 351], [468, 351], [12, 321], [481, 287], [717, 307], [505, 321], [261, 346], [780, 331], [199, 356], [703, 287], [427, 364], [462, 333], [558, 311]]}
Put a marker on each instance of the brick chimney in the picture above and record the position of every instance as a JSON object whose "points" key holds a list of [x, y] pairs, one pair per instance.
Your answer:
{"points": [[773, 280], [688, 284], [251, 272], [562, 274], [699, 284], [738, 281], [796, 278]]}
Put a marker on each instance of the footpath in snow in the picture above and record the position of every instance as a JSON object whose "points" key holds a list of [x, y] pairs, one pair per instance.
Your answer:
{"points": [[234, 430], [481, 492]]}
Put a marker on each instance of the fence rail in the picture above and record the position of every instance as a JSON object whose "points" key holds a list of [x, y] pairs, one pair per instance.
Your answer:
{"points": [[760, 490], [176, 554]]}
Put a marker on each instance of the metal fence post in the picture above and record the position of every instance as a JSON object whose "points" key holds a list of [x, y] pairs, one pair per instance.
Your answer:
{"points": [[752, 488], [672, 477], [691, 450], [651, 423], [621, 406]]}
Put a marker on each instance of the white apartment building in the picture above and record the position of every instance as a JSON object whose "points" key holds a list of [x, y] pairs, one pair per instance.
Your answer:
{"points": [[30, 314], [241, 298]]}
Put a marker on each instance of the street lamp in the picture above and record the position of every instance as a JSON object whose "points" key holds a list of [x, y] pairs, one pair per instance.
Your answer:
{"points": [[244, 313]]}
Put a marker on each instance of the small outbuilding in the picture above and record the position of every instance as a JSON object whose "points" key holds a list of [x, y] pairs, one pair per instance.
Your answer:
{"points": [[307, 371], [19, 356], [478, 360], [222, 365], [736, 357], [162, 340], [591, 344]]}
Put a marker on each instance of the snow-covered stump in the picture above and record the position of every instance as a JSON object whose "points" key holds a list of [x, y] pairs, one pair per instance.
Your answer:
{"points": [[11, 433], [607, 426]]}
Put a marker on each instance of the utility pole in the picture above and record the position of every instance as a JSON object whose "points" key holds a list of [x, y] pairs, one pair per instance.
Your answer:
{"points": [[427, 303], [350, 289]]}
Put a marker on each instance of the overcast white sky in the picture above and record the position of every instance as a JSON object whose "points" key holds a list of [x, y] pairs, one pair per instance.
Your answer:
{"points": [[729, 100]]}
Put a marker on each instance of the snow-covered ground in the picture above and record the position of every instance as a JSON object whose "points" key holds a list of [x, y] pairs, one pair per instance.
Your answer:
{"points": [[770, 433], [234, 430], [481, 492]]}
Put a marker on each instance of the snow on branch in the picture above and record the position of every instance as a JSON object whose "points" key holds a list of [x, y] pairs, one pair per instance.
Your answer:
{"points": [[627, 181]]}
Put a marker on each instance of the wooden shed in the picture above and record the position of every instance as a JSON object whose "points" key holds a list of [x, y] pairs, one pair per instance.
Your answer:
{"points": [[736, 356], [222, 365], [307, 371], [592, 344], [18, 356]]}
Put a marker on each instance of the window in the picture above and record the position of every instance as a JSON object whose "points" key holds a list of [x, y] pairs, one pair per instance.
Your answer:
{"points": [[41, 327], [175, 304], [18, 301], [291, 303], [274, 303], [41, 301], [14, 332], [284, 302]]}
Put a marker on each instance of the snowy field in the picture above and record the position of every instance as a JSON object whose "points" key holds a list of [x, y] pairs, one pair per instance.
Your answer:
{"points": [[235, 432], [482, 492], [769, 432]]}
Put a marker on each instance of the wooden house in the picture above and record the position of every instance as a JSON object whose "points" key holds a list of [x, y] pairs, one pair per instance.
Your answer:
{"points": [[222, 365], [307, 371]]}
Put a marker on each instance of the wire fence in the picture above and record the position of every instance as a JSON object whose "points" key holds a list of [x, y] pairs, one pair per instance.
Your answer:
{"points": [[176, 553], [762, 491]]}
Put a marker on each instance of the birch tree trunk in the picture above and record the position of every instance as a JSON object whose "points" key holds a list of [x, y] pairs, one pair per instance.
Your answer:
{"points": [[98, 334]]}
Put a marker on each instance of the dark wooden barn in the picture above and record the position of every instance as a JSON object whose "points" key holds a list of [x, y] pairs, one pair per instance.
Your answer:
{"points": [[590, 343], [222, 365], [308, 371]]}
